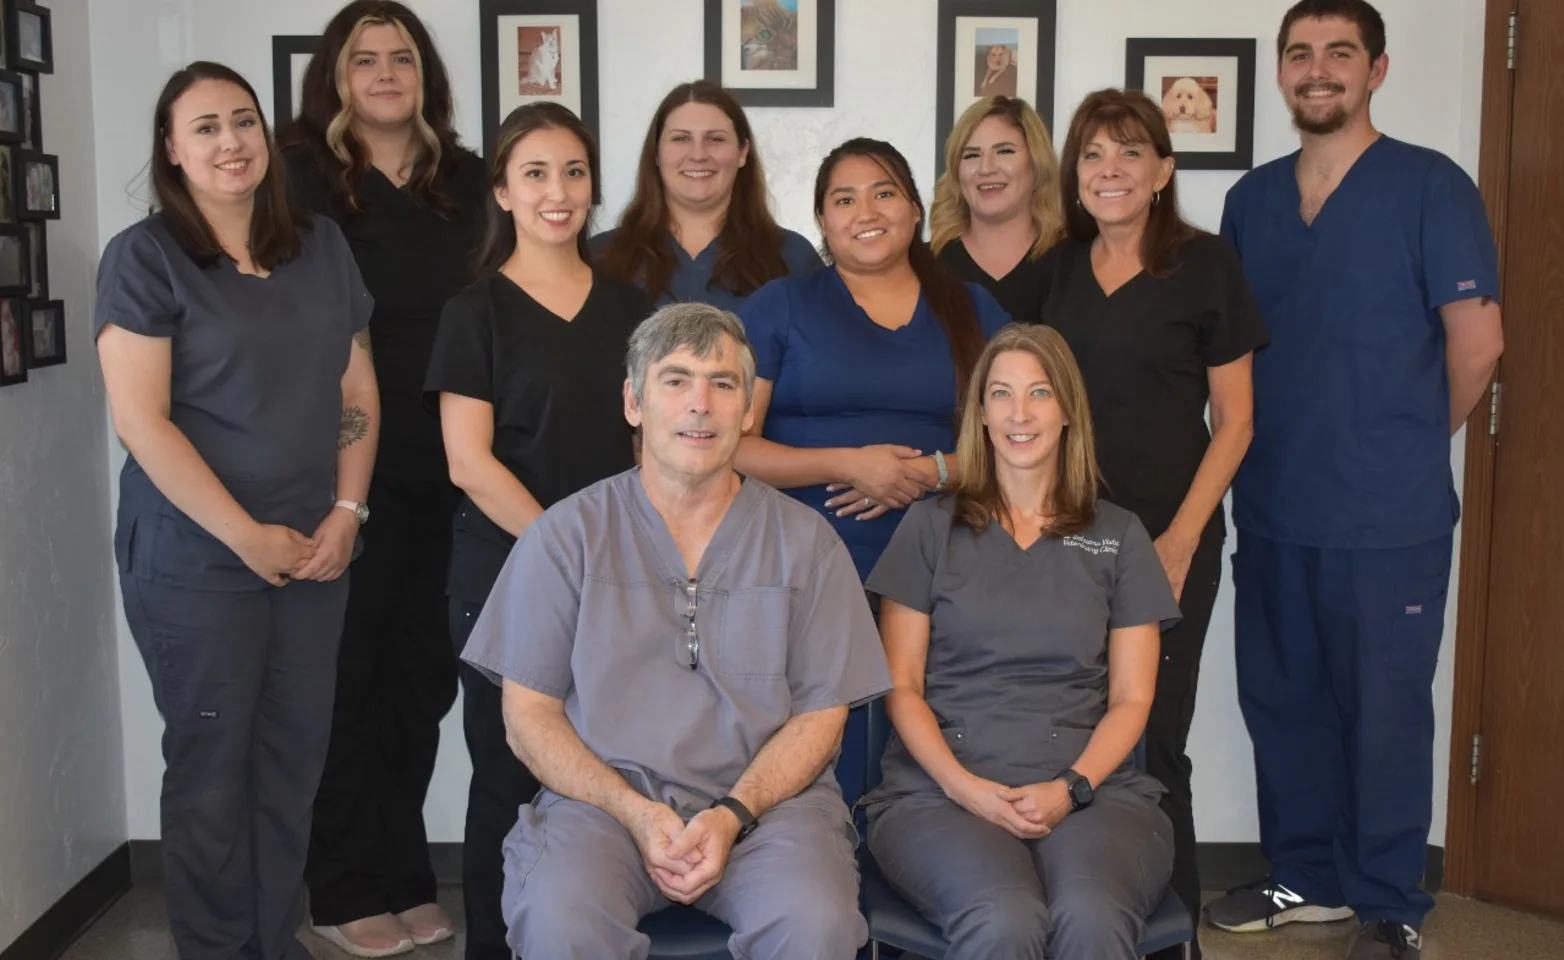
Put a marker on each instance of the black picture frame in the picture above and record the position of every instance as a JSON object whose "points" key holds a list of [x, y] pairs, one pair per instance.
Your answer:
{"points": [[21, 162], [15, 11], [490, 13], [38, 254], [1243, 50], [32, 112], [822, 94], [15, 241], [53, 313], [284, 48], [18, 107], [1045, 12], [13, 341]]}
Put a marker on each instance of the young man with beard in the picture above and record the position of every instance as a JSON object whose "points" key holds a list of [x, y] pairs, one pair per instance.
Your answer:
{"points": [[1376, 272]]}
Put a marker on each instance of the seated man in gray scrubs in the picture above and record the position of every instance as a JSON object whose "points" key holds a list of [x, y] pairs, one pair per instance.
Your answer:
{"points": [[678, 648]]}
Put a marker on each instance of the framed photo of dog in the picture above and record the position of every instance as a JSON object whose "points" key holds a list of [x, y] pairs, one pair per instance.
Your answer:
{"points": [[992, 48], [1206, 90], [773, 53], [536, 50]]}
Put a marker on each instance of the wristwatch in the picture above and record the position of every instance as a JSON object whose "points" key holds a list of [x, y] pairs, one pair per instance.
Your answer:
{"points": [[746, 819], [360, 511], [1080, 789]]}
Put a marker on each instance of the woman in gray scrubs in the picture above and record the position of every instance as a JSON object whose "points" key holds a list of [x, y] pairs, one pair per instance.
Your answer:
{"points": [[226, 327], [1021, 619]]}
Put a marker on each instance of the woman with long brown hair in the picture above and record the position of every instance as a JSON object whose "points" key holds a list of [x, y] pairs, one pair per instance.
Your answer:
{"points": [[373, 148], [1163, 323], [1020, 617], [528, 367], [698, 227]]}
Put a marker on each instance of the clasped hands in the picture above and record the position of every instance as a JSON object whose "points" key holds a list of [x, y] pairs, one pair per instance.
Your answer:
{"points": [[684, 859], [885, 476], [279, 554], [1028, 812]]}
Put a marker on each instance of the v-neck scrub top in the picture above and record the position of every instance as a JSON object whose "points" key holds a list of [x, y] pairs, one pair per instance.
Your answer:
{"points": [[1352, 401], [1144, 353], [691, 279], [1020, 292], [841, 380], [556, 386]]}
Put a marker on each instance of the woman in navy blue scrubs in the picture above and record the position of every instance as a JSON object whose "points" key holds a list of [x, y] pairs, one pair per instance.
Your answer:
{"points": [[859, 366], [698, 228], [226, 327]]}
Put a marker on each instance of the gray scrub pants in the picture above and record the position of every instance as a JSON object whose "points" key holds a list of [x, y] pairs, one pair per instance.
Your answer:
{"points": [[244, 682], [1081, 893], [575, 887]]}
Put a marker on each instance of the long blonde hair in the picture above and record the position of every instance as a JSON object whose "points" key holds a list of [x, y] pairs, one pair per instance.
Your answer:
{"points": [[978, 497], [950, 216]]}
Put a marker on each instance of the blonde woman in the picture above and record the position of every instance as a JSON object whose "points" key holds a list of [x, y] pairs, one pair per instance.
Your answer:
{"points": [[996, 207], [374, 150]]}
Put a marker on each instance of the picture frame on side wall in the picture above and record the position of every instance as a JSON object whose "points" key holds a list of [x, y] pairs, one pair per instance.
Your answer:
{"points": [[38, 252], [43, 333], [13, 344], [773, 53], [29, 37], [35, 186], [989, 48], [32, 113], [1206, 88], [537, 50], [14, 107], [15, 260], [291, 54]]}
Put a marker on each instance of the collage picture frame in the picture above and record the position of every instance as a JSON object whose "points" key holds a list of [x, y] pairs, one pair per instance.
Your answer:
{"points": [[32, 326], [988, 48]]}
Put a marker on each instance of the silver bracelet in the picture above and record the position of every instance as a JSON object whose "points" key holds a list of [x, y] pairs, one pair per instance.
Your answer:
{"points": [[944, 474]]}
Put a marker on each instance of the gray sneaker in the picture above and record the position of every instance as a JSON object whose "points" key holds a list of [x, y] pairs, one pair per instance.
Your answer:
{"points": [[1386, 940], [1266, 904]]}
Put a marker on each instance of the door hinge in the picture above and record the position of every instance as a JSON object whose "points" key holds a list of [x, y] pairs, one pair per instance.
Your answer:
{"points": [[1510, 55], [1477, 756], [1493, 409]]}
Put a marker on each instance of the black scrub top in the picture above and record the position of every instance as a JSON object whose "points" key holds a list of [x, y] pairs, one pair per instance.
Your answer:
{"points": [[412, 260], [1020, 292], [557, 390], [1144, 353], [255, 386]]}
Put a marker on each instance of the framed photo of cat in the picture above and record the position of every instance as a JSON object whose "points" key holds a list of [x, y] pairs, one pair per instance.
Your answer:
{"points": [[537, 50], [773, 53], [990, 48]]}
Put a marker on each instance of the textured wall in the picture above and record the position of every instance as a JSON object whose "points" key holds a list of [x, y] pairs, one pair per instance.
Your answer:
{"points": [[62, 787]]}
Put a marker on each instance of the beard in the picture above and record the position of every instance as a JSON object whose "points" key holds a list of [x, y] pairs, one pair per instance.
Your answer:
{"points": [[1318, 125]]}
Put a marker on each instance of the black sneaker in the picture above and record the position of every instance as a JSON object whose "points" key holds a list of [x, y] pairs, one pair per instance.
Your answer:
{"points": [[1265, 904], [1386, 940]]}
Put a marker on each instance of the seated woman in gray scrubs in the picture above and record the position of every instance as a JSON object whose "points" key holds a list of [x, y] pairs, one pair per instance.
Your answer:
{"points": [[1020, 618], [226, 327]]}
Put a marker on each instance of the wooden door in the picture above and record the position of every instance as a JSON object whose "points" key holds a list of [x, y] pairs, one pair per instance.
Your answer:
{"points": [[1518, 842]]}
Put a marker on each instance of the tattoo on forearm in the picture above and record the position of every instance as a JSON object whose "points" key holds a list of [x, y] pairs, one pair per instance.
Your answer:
{"points": [[353, 427], [362, 339]]}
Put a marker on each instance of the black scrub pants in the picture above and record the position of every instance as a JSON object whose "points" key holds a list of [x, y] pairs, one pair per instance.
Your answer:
{"points": [[396, 679], [500, 785], [244, 683], [1173, 709]]}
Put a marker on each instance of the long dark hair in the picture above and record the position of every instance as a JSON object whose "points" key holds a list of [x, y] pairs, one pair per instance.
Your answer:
{"points": [[274, 225], [947, 294], [750, 244], [499, 232], [324, 125], [1127, 117]]}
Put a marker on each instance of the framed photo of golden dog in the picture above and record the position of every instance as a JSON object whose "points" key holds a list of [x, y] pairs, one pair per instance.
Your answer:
{"points": [[989, 48], [1206, 90]]}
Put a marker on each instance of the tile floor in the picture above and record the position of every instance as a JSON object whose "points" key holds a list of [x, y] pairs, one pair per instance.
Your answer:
{"points": [[136, 928]]}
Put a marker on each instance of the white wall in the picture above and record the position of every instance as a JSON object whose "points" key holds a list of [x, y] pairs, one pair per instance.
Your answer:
{"points": [[884, 88], [62, 790]]}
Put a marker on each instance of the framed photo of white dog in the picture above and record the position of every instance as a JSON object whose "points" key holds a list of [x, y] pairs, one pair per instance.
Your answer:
{"points": [[1206, 90], [537, 50]]}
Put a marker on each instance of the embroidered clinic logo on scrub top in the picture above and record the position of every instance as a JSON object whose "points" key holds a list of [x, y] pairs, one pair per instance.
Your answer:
{"points": [[1092, 546], [1462, 286]]}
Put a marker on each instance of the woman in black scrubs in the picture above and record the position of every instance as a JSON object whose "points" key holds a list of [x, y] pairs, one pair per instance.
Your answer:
{"points": [[386, 165], [996, 207], [226, 327], [1161, 319], [529, 365]]}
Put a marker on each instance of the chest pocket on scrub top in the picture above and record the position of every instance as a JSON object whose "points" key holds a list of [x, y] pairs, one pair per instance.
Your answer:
{"points": [[751, 634]]}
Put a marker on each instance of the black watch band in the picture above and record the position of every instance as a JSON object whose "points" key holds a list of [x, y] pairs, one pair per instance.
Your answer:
{"points": [[1081, 793], [746, 819]]}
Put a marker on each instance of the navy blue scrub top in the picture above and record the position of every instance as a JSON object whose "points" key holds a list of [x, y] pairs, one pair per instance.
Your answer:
{"points": [[1352, 402], [256, 386], [841, 380], [691, 280]]}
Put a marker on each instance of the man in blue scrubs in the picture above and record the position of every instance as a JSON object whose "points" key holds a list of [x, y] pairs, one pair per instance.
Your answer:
{"points": [[1376, 272]]}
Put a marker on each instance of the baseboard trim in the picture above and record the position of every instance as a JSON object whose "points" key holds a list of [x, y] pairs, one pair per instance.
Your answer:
{"points": [[81, 906], [1227, 865]]}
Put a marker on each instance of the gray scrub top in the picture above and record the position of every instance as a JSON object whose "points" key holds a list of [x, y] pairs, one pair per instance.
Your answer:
{"points": [[591, 608], [1017, 670], [256, 386]]}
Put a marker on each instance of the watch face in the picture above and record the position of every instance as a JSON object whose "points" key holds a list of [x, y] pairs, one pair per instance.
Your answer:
{"points": [[362, 513], [1081, 791]]}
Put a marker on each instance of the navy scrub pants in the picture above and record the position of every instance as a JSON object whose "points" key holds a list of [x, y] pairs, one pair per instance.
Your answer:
{"points": [[244, 682], [1336, 651]]}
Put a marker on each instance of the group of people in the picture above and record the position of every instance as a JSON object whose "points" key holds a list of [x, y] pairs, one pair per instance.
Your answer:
{"points": [[672, 502]]}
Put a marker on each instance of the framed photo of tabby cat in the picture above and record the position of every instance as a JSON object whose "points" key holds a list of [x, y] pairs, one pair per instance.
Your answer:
{"points": [[773, 53], [537, 50], [990, 48]]}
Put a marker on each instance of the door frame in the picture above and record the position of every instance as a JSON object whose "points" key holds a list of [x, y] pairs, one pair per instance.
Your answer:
{"points": [[1471, 627]]}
